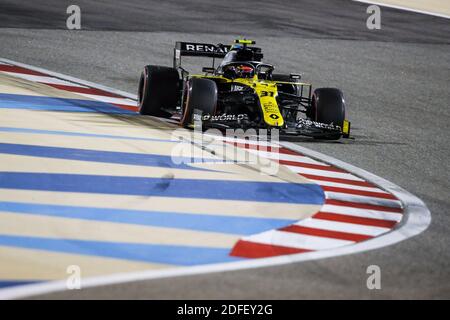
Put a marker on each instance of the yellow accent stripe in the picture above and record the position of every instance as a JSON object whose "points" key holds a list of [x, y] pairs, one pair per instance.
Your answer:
{"points": [[25, 264], [164, 204], [66, 228]]}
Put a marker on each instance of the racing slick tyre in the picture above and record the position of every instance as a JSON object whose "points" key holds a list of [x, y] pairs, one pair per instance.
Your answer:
{"points": [[158, 90], [328, 106], [199, 94]]}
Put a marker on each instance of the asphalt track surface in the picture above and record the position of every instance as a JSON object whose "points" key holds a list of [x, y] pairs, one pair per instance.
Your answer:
{"points": [[396, 85]]}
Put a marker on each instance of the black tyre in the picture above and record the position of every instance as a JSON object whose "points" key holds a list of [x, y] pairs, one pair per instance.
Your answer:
{"points": [[158, 90], [199, 94], [328, 106], [284, 87]]}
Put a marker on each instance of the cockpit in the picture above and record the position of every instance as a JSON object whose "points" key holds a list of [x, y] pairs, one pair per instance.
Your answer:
{"points": [[234, 70]]}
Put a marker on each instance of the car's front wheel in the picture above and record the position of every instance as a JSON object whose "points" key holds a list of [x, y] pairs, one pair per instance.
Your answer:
{"points": [[199, 94], [328, 106]]}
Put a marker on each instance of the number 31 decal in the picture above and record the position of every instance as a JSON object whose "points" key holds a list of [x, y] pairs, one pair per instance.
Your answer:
{"points": [[266, 93]]}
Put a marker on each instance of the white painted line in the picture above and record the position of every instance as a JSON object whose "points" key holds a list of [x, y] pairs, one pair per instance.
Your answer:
{"points": [[324, 173], [430, 13], [296, 240], [40, 79], [416, 219], [286, 157], [342, 227], [363, 199], [73, 80], [363, 213], [347, 186]]}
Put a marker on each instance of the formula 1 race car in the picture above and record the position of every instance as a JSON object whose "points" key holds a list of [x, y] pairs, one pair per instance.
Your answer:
{"points": [[242, 92]]}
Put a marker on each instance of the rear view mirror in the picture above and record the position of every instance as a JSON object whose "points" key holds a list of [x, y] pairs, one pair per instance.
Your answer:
{"points": [[208, 69]]}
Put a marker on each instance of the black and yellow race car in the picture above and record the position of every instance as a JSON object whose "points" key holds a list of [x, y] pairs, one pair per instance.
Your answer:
{"points": [[241, 92]]}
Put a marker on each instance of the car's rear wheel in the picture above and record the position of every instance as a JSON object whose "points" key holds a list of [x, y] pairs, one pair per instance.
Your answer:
{"points": [[199, 94], [158, 90], [328, 106]]}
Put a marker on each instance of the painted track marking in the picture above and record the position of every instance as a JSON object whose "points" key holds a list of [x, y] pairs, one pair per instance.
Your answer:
{"points": [[380, 206]]}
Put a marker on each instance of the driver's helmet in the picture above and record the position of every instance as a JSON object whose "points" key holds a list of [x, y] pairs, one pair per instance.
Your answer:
{"points": [[237, 70], [237, 46], [244, 71]]}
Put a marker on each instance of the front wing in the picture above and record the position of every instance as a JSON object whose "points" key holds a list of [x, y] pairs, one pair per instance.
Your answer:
{"points": [[303, 127]]}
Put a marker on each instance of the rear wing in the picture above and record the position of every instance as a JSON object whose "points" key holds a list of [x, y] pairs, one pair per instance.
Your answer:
{"points": [[195, 49]]}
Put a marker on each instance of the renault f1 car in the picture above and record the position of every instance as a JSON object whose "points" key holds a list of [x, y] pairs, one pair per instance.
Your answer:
{"points": [[241, 92]]}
